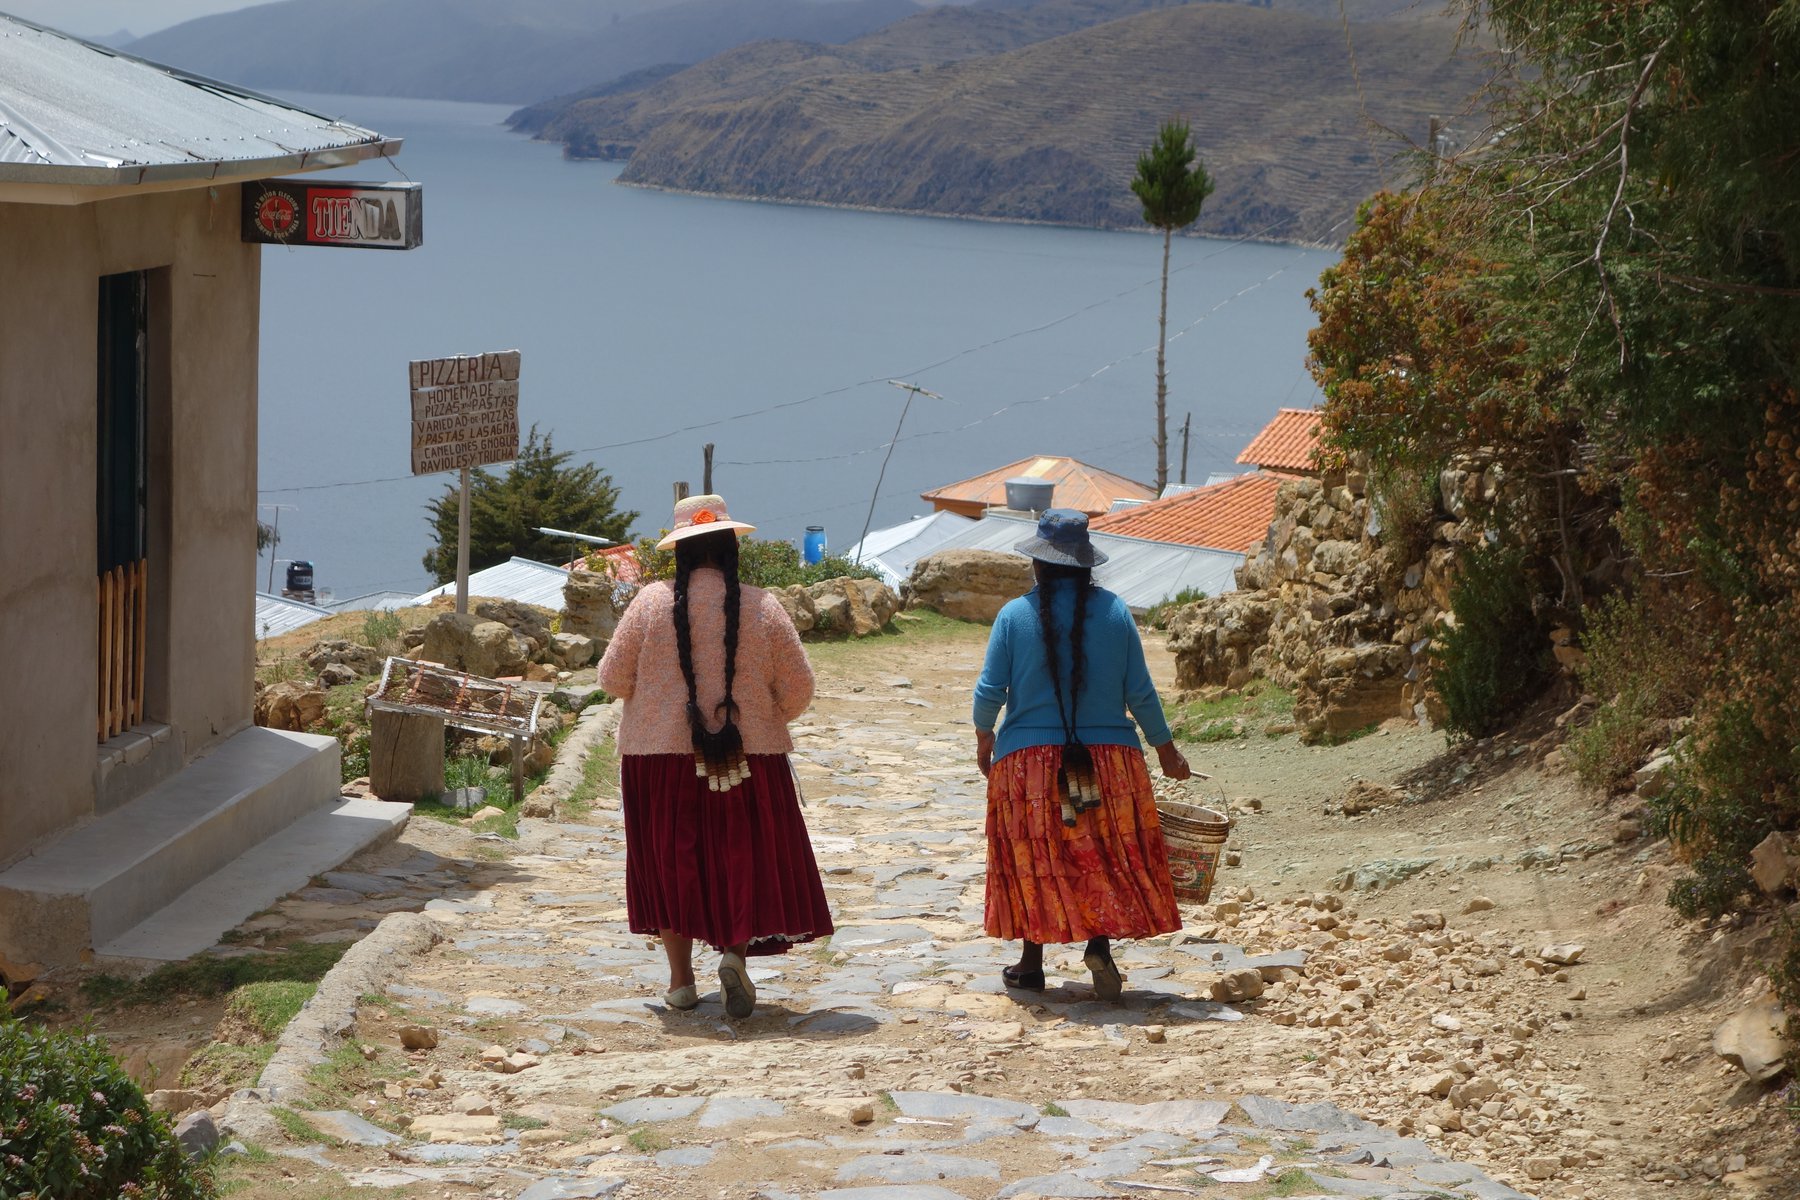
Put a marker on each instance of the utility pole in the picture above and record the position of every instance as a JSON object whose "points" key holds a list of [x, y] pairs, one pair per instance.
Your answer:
{"points": [[1185, 425], [462, 544], [681, 490], [911, 390], [706, 486], [275, 539]]}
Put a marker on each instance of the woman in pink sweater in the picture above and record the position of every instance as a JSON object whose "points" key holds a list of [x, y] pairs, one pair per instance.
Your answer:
{"points": [[711, 671]]}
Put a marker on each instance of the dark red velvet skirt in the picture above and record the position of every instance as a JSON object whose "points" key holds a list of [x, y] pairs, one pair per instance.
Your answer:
{"points": [[720, 867]]}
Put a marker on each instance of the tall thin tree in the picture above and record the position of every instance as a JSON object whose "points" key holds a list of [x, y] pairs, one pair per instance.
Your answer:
{"points": [[1172, 183]]}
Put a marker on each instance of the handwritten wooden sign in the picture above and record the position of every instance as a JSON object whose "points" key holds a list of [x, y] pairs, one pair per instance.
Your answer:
{"points": [[465, 411]]}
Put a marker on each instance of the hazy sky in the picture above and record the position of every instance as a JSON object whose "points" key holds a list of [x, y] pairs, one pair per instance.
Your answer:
{"points": [[97, 18]]}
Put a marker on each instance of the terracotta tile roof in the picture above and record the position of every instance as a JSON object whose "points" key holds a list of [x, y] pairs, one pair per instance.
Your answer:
{"points": [[1078, 485], [1286, 443], [1232, 515]]}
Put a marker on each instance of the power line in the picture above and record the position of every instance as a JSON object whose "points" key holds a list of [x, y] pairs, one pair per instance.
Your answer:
{"points": [[829, 392]]}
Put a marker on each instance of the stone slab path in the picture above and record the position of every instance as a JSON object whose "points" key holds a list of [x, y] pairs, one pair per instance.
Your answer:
{"points": [[890, 1064]]}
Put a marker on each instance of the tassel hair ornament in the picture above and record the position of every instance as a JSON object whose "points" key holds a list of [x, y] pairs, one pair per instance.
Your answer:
{"points": [[1077, 785]]}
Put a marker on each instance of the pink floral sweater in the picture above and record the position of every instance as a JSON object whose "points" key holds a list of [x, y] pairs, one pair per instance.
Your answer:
{"points": [[774, 682]]}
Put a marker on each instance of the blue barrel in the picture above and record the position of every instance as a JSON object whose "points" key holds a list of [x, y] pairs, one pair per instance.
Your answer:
{"points": [[815, 543]]}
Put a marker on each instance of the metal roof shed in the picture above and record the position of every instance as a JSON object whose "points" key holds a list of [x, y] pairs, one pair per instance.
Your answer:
{"points": [[894, 550], [277, 615], [81, 122], [520, 579]]}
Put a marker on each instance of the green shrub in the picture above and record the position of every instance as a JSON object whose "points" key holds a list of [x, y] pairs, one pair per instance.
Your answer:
{"points": [[73, 1126], [1715, 812], [381, 630], [1405, 504], [762, 562], [1157, 617], [1640, 662], [1495, 655]]}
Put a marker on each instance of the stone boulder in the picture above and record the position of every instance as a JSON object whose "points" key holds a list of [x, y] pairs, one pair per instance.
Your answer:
{"points": [[1775, 864], [337, 675], [476, 645], [799, 605], [592, 604], [539, 753], [847, 607], [290, 705], [971, 585], [1754, 1041], [572, 651], [528, 623], [361, 659]]}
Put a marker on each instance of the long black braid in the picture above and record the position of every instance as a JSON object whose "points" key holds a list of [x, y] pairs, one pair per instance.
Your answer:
{"points": [[1050, 575], [725, 745]]}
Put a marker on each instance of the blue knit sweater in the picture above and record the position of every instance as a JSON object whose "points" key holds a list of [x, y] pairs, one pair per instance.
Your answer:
{"points": [[1114, 680]]}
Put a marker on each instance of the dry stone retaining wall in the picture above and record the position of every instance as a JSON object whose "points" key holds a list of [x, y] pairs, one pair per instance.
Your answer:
{"points": [[1326, 607]]}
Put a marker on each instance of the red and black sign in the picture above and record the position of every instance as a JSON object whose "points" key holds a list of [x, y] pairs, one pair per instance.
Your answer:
{"points": [[363, 216]]}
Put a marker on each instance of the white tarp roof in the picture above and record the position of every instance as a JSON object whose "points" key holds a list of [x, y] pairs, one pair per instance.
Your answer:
{"points": [[1140, 572], [72, 112], [277, 614], [519, 579], [894, 550]]}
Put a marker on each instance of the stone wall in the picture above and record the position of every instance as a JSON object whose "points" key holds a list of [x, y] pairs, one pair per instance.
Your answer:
{"points": [[842, 607], [1326, 607]]}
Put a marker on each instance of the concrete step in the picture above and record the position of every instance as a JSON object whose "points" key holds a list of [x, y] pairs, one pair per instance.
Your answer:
{"points": [[101, 879], [318, 842]]}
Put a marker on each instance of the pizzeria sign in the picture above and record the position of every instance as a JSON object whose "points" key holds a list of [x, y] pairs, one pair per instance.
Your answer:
{"points": [[362, 216]]}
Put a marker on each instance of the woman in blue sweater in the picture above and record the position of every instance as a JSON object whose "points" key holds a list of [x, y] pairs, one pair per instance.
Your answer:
{"points": [[1075, 849]]}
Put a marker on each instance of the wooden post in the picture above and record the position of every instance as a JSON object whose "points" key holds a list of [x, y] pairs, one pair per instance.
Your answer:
{"points": [[406, 755], [462, 545], [706, 486], [681, 490], [519, 745], [1185, 424]]}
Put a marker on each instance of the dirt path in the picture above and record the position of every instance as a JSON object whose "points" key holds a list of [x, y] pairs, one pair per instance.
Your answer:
{"points": [[1410, 1038]]}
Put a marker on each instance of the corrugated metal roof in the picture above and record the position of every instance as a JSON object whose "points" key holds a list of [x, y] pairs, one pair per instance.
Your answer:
{"points": [[384, 601], [894, 550], [72, 112], [1078, 485], [276, 615], [1141, 573], [1232, 515], [1287, 443], [518, 579]]}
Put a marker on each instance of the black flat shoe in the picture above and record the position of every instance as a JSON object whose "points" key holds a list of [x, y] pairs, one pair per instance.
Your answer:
{"points": [[1108, 983], [1030, 981]]}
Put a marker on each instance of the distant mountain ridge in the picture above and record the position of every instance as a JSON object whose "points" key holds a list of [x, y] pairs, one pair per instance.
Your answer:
{"points": [[1036, 112], [516, 51]]}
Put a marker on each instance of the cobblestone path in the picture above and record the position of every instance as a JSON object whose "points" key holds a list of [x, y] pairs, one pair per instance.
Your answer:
{"points": [[890, 1064]]}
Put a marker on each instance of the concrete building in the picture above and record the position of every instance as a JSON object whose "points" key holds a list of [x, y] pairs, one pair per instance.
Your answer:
{"points": [[134, 779]]}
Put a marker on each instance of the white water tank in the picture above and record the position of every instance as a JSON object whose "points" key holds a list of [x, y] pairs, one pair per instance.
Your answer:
{"points": [[1025, 494]]}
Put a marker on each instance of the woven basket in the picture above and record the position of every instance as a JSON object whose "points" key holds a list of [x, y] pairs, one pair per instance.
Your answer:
{"points": [[1196, 839]]}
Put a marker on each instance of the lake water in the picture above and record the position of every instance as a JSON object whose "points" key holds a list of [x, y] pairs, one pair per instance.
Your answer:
{"points": [[653, 323]]}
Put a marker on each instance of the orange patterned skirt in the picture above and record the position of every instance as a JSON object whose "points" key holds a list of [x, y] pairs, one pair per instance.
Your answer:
{"points": [[1106, 877]]}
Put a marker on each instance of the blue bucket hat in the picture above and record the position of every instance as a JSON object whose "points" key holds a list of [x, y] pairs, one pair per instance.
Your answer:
{"points": [[1062, 537]]}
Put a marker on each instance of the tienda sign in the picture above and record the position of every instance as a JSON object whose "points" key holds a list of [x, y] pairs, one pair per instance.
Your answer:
{"points": [[363, 216]]}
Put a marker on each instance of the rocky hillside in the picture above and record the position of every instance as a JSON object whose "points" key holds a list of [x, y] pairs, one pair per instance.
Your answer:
{"points": [[517, 51], [1008, 114]]}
